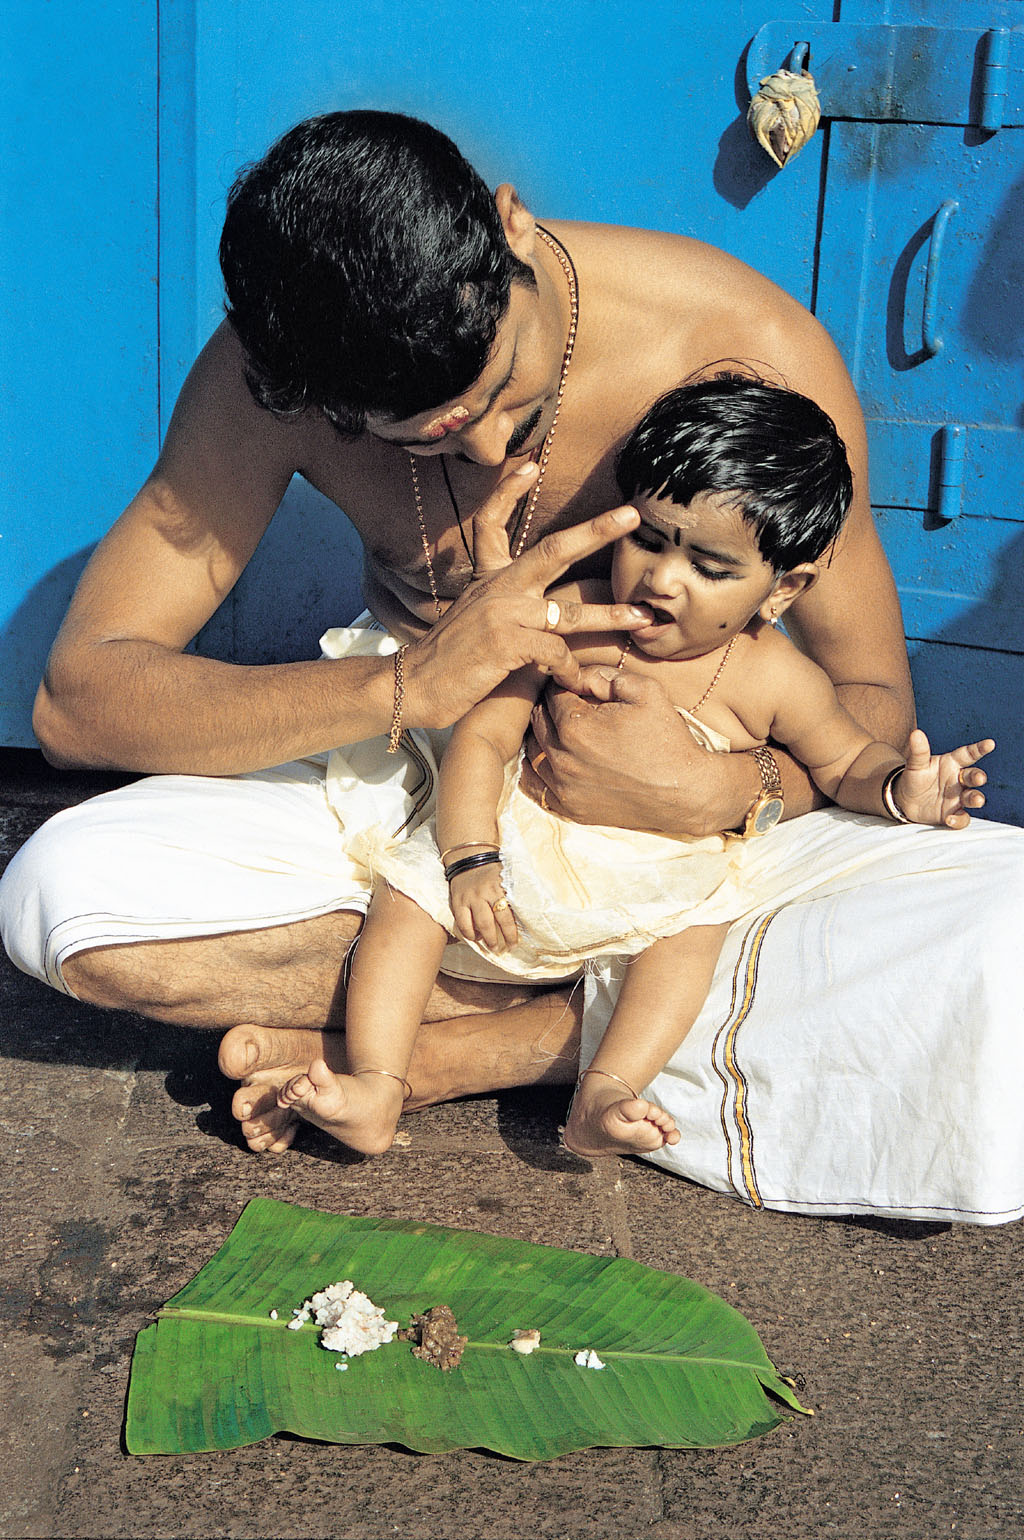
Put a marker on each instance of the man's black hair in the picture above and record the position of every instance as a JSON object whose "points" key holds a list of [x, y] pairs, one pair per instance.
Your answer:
{"points": [[366, 269], [776, 451]]}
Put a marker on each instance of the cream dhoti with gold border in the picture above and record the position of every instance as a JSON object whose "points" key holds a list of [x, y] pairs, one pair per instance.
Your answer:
{"points": [[861, 1049], [580, 892]]}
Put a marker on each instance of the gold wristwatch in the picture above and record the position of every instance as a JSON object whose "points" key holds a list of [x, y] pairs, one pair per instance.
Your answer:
{"points": [[767, 808]]}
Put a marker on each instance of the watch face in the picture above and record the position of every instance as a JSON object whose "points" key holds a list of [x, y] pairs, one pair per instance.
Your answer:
{"points": [[768, 815]]}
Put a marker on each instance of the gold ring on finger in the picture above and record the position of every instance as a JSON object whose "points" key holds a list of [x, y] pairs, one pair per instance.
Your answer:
{"points": [[553, 616], [500, 906]]}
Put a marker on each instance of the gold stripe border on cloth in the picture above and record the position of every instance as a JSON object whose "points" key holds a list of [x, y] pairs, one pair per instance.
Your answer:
{"points": [[734, 1109]]}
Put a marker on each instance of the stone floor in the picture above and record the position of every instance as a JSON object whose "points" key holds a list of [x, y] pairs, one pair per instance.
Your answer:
{"points": [[122, 1175]]}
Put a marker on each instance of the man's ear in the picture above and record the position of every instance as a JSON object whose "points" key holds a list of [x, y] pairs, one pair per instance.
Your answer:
{"points": [[520, 227], [788, 587]]}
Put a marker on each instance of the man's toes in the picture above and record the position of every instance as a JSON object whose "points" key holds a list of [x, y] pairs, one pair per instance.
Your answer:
{"points": [[271, 1132], [251, 1101], [239, 1052], [277, 1142]]}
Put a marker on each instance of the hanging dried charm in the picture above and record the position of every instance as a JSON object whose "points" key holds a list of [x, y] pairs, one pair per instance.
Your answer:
{"points": [[784, 114]]}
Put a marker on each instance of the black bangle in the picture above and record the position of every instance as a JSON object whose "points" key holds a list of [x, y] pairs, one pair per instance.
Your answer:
{"points": [[485, 858]]}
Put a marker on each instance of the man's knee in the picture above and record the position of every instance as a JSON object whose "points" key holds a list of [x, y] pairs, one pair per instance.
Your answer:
{"points": [[118, 978]]}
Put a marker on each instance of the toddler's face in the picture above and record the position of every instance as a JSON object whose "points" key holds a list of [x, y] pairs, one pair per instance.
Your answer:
{"points": [[697, 570]]}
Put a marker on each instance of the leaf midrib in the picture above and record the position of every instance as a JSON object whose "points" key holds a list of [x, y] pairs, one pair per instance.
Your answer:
{"points": [[657, 1355]]}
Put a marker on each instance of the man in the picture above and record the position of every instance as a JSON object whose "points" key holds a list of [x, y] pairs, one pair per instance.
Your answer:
{"points": [[410, 344]]}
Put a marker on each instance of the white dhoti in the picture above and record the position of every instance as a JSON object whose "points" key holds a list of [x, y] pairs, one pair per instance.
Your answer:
{"points": [[861, 1049]]}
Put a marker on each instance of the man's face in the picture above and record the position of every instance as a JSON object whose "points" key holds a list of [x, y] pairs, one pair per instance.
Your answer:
{"points": [[509, 409]]}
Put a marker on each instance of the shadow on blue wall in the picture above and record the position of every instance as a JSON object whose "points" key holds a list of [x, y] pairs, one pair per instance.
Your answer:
{"points": [[304, 577], [964, 692], [741, 166], [26, 640], [993, 313]]}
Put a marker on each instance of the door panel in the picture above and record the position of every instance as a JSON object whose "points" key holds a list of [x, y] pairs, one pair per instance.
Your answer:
{"points": [[596, 112], [78, 309]]}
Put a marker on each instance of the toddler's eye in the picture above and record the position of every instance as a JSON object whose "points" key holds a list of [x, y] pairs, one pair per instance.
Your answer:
{"points": [[646, 539], [713, 574]]}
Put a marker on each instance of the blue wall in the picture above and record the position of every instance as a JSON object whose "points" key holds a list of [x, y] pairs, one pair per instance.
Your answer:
{"points": [[124, 123]]}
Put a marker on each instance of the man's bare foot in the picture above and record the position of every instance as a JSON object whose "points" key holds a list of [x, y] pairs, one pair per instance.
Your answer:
{"points": [[533, 1042], [602, 1122], [361, 1111], [264, 1059]]}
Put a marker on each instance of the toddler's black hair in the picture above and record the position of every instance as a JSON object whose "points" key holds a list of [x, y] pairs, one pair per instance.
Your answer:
{"points": [[775, 450]]}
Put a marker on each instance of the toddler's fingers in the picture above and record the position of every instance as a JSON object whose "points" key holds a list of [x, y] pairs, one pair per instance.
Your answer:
{"points": [[485, 924], [919, 751], [463, 917], [506, 922]]}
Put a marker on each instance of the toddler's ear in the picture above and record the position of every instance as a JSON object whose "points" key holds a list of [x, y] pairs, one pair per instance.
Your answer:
{"points": [[788, 587]]}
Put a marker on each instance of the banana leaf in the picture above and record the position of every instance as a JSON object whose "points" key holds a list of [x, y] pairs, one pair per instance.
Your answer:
{"points": [[214, 1371]]}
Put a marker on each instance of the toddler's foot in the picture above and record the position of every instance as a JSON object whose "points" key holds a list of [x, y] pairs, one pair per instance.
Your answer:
{"points": [[607, 1124], [361, 1111]]}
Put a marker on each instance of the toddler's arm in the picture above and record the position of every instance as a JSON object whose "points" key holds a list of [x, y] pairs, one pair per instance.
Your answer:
{"points": [[470, 785], [857, 771]]}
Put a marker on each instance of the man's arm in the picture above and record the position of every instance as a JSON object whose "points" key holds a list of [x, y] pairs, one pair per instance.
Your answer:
{"points": [[119, 688]]}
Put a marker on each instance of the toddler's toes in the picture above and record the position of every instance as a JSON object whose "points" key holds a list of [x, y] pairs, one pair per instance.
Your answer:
{"points": [[296, 1091], [661, 1119]]}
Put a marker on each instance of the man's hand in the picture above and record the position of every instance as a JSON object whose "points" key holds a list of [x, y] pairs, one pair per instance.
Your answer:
{"points": [[502, 622], [625, 757]]}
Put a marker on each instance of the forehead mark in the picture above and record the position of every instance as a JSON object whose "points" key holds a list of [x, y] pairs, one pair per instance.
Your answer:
{"points": [[445, 423]]}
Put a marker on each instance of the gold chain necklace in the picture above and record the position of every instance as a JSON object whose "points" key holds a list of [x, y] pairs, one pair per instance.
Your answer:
{"points": [[718, 671], [565, 264]]}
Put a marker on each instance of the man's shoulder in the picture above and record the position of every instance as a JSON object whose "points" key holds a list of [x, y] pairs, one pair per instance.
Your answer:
{"points": [[640, 258], [665, 305]]}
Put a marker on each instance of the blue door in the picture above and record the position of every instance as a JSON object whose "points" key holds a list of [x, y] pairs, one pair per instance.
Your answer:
{"points": [[920, 280], [624, 114]]}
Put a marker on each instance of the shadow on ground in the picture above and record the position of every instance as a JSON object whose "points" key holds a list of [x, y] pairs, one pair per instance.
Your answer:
{"points": [[123, 1175]]}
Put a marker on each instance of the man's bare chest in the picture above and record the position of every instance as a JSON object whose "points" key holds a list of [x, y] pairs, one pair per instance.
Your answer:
{"points": [[416, 516]]}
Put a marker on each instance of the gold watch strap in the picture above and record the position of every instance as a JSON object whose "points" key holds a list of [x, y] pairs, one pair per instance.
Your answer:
{"points": [[768, 766]]}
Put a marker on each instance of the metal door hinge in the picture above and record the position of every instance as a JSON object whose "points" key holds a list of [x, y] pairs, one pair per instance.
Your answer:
{"points": [[886, 74]]}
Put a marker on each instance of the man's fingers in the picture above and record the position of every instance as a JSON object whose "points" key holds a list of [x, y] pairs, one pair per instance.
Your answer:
{"points": [[597, 682], [490, 522], [574, 617], [545, 562]]}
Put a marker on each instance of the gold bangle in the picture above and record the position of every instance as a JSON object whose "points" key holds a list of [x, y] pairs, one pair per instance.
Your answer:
{"points": [[391, 1076], [468, 845], [895, 812], [395, 735]]}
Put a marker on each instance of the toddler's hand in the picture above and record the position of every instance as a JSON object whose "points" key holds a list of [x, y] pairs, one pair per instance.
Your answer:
{"points": [[481, 910], [942, 788]]}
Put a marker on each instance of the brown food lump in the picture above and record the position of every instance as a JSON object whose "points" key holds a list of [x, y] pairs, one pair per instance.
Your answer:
{"points": [[435, 1337]]}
